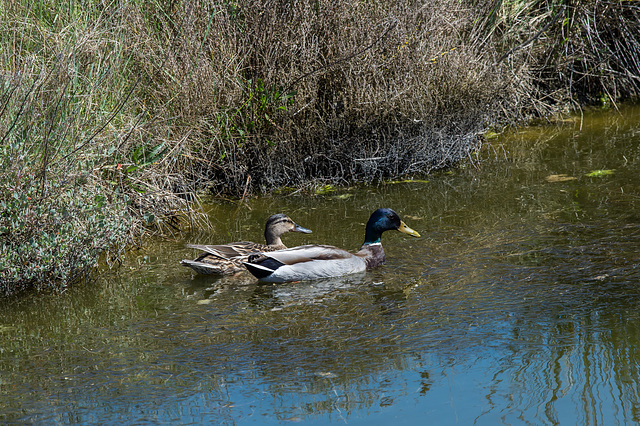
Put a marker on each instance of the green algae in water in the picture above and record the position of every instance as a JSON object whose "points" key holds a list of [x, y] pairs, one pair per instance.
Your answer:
{"points": [[393, 182], [600, 173]]}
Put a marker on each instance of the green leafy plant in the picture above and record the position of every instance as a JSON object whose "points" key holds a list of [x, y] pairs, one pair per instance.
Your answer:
{"points": [[262, 102], [51, 231], [143, 156]]}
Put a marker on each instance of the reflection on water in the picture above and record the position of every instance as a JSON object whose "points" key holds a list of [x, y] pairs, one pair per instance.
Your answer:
{"points": [[519, 305]]}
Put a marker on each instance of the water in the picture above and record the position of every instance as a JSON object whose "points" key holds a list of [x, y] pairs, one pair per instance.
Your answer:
{"points": [[520, 305]]}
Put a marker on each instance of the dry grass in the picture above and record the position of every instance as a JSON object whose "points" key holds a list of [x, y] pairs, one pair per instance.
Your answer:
{"points": [[569, 54], [282, 93]]}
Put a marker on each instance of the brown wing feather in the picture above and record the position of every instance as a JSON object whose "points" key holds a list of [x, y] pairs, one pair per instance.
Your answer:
{"points": [[227, 251]]}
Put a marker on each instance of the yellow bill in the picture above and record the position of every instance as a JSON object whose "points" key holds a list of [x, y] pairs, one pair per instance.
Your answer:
{"points": [[406, 230]]}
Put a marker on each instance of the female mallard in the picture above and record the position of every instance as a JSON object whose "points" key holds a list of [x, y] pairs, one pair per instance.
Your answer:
{"points": [[228, 258], [321, 261]]}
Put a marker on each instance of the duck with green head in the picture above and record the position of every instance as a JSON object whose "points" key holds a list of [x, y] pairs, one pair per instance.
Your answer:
{"points": [[322, 261]]}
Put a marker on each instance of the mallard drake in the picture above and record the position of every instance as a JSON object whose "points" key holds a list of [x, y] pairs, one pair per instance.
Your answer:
{"points": [[322, 261], [227, 259]]}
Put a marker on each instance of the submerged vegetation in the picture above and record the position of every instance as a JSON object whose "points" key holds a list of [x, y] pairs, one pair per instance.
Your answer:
{"points": [[114, 115]]}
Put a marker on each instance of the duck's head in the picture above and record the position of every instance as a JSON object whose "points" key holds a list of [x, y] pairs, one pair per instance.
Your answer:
{"points": [[385, 220], [279, 224]]}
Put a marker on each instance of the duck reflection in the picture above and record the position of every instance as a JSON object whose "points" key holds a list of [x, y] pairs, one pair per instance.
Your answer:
{"points": [[280, 296]]}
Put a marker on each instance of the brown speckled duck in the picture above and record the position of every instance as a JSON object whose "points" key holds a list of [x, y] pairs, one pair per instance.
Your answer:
{"points": [[226, 259], [321, 261]]}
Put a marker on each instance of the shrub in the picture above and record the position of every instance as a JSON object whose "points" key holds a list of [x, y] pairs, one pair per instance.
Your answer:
{"points": [[79, 171], [283, 93], [57, 215], [51, 230]]}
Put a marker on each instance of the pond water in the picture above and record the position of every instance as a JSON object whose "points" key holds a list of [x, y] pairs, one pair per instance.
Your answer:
{"points": [[520, 304]]}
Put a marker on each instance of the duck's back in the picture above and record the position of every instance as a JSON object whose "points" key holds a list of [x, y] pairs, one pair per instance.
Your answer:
{"points": [[305, 263]]}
